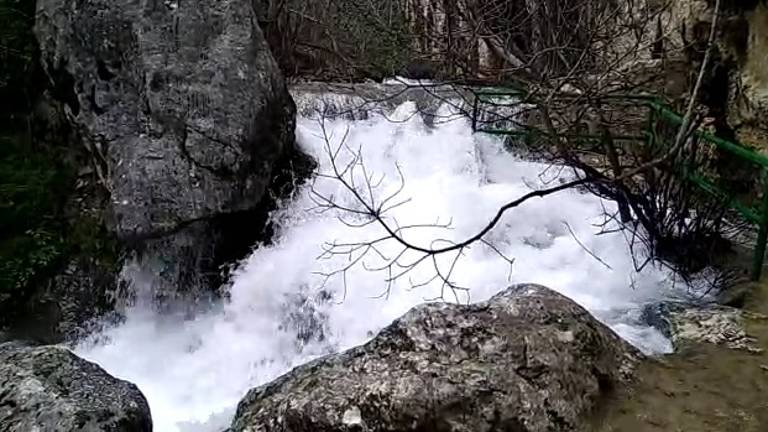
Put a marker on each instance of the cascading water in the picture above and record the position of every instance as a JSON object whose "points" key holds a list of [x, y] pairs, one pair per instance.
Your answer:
{"points": [[280, 313]]}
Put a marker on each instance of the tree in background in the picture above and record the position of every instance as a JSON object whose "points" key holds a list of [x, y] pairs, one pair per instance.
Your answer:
{"points": [[571, 62], [337, 39]]}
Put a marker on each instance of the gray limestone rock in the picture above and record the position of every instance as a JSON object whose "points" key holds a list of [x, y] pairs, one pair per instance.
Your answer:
{"points": [[686, 323], [183, 103], [527, 360], [187, 119], [49, 389]]}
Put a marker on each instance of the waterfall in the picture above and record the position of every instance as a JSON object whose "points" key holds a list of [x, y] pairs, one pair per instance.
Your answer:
{"points": [[280, 312]]}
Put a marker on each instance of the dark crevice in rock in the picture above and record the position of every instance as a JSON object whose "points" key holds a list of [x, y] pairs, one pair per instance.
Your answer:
{"points": [[736, 6], [714, 95], [511, 425], [63, 88], [559, 423], [603, 381], [735, 35], [432, 424], [104, 73], [157, 82]]}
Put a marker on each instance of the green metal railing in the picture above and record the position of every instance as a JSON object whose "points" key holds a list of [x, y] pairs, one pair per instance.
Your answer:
{"points": [[658, 113]]}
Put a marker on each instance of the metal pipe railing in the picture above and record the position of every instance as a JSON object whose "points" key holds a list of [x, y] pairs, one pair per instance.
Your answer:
{"points": [[658, 112]]}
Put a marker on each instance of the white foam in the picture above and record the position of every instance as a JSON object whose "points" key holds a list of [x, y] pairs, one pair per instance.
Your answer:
{"points": [[194, 372]]}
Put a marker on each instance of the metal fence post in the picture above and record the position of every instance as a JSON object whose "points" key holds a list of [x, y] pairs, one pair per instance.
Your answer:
{"points": [[762, 236], [474, 112]]}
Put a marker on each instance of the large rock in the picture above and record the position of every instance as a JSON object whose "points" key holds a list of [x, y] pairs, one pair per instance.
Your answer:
{"points": [[50, 389], [186, 116], [527, 360], [184, 101]]}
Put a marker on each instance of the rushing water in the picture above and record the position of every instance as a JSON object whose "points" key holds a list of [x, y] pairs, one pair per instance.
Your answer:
{"points": [[280, 313]]}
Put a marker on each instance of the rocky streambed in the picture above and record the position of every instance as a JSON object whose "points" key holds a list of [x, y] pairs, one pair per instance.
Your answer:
{"points": [[528, 359]]}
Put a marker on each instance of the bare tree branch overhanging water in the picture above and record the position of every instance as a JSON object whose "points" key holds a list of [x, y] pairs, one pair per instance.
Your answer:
{"points": [[571, 78]]}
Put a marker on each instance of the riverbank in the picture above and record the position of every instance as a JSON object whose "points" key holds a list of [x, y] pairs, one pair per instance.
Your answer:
{"points": [[702, 387]]}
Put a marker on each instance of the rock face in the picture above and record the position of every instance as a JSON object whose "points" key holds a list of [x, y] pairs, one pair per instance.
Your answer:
{"points": [[184, 111], [743, 44], [737, 86], [184, 102], [51, 389], [527, 360]]}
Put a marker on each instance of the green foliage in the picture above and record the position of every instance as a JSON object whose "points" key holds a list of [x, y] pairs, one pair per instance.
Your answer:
{"points": [[29, 182], [339, 39], [33, 180], [22, 257], [31, 186], [380, 37]]}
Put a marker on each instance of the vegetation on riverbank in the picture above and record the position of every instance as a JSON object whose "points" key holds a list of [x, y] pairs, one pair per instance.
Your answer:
{"points": [[30, 179]]}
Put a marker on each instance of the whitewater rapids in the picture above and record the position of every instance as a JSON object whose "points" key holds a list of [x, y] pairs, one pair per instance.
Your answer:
{"points": [[280, 313]]}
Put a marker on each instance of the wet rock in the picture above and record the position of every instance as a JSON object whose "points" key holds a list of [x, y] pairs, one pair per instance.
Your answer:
{"points": [[528, 360], [736, 295], [715, 324], [51, 389], [184, 112]]}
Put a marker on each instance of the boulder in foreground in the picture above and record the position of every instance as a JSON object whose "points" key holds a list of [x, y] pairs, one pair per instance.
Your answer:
{"points": [[50, 389], [527, 360]]}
